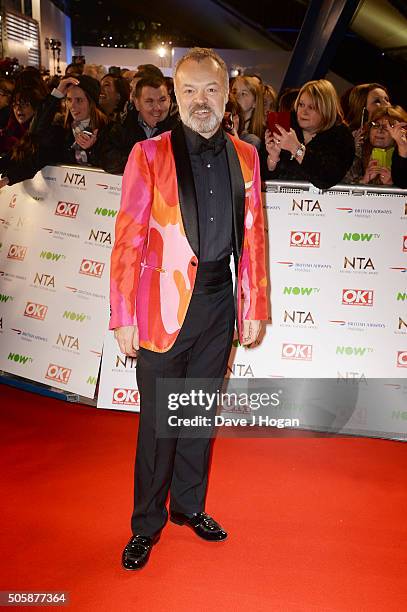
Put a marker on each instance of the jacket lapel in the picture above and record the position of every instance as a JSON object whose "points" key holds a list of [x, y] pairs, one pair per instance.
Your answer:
{"points": [[186, 188], [238, 196]]}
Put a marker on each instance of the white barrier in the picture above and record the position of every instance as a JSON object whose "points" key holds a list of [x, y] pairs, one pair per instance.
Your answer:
{"points": [[56, 237], [338, 263]]}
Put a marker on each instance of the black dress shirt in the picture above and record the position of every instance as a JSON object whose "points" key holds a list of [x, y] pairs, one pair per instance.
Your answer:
{"points": [[210, 170]]}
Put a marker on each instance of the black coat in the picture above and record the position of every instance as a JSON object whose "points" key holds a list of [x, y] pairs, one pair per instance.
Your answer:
{"points": [[123, 136], [327, 158], [399, 170]]}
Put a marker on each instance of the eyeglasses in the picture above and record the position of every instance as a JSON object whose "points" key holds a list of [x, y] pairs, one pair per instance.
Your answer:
{"points": [[381, 126], [21, 105]]}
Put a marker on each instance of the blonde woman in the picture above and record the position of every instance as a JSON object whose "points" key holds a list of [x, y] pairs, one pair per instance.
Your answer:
{"points": [[318, 148], [249, 94]]}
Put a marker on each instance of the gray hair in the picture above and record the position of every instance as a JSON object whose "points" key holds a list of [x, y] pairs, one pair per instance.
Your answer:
{"points": [[199, 54]]}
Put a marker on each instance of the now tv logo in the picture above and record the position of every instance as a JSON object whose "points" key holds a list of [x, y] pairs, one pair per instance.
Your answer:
{"points": [[125, 397], [58, 373], [67, 209], [35, 311], [297, 352], [91, 268], [357, 297], [17, 252], [305, 239]]}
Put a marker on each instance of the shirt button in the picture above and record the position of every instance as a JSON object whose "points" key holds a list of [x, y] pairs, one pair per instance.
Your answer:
{"points": [[211, 219], [211, 191], [208, 165]]}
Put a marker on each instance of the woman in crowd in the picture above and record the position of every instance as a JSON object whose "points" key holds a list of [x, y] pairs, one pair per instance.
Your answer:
{"points": [[75, 138], [115, 92], [25, 102], [236, 117], [249, 94], [369, 96], [318, 147], [287, 99], [380, 148]]}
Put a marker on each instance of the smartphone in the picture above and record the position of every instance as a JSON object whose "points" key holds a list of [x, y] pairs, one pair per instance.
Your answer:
{"points": [[87, 132], [381, 156], [282, 118], [364, 117]]}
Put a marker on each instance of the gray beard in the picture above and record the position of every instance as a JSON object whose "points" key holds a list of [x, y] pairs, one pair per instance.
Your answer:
{"points": [[204, 125]]}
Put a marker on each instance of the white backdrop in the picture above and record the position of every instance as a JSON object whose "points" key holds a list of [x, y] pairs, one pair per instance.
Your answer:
{"points": [[56, 233], [338, 264]]}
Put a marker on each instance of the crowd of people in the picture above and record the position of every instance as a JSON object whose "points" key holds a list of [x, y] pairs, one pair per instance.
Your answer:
{"points": [[93, 117]]}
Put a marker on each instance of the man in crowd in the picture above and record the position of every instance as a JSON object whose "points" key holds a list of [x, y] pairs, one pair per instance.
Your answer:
{"points": [[190, 199], [149, 114]]}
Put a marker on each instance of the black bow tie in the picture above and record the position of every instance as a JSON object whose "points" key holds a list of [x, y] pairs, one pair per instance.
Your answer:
{"points": [[215, 146]]}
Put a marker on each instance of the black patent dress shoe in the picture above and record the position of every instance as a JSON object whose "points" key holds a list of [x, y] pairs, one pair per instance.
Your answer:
{"points": [[137, 551], [203, 525]]}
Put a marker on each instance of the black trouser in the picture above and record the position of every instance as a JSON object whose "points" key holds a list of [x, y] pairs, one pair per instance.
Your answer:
{"points": [[180, 463]]}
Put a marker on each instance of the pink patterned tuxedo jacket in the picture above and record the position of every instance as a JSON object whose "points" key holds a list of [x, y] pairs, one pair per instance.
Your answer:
{"points": [[155, 256]]}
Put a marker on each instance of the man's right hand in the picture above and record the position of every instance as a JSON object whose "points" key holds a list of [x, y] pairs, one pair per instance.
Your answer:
{"points": [[127, 339]]}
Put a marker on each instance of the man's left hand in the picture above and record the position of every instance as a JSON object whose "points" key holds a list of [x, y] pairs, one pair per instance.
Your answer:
{"points": [[251, 330]]}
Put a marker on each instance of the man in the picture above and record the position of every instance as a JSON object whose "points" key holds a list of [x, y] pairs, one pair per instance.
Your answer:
{"points": [[149, 114], [190, 198]]}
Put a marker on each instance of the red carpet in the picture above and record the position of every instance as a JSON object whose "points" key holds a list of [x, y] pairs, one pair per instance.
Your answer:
{"points": [[315, 524]]}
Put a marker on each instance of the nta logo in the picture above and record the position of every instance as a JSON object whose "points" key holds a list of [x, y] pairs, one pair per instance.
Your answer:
{"points": [[74, 179], [125, 397], [68, 341], [67, 209], [35, 311], [44, 280], [357, 297], [17, 252], [91, 268], [402, 324], [305, 239], [298, 352], [58, 373], [299, 316], [100, 236], [404, 244], [306, 206], [358, 263]]}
